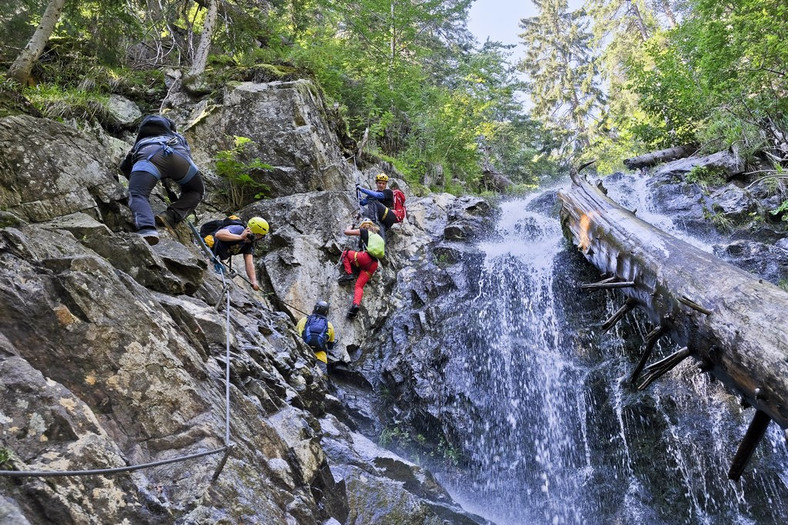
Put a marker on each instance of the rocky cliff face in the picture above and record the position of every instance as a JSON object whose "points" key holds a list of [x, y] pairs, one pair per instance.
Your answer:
{"points": [[113, 353]]}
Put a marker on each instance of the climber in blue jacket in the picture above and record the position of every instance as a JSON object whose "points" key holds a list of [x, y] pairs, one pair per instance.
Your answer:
{"points": [[379, 203]]}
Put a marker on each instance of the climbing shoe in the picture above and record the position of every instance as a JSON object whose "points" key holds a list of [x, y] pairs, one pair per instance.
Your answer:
{"points": [[165, 219], [346, 278], [353, 312], [150, 235]]}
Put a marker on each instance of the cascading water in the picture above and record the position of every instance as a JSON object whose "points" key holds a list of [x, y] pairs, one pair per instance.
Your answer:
{"points": [[553, 431]]}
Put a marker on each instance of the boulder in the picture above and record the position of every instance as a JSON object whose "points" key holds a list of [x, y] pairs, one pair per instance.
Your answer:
{"points": [[50, 170], [289, 130]]}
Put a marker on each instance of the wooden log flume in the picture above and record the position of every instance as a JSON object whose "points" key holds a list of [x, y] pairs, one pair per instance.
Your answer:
{"points": [[732, 322]]}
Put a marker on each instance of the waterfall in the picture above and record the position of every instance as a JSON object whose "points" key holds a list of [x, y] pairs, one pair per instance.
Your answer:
{"points": [[554, 433]]}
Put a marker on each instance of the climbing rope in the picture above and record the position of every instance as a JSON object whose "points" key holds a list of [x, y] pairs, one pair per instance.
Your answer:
{"points": [[227, 448]]}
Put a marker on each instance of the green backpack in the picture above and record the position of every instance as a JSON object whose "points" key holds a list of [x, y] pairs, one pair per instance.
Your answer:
{"points": [[376, 247]]}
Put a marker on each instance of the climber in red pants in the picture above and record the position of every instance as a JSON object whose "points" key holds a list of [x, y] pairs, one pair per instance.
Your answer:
{"points": [[365, 261]]}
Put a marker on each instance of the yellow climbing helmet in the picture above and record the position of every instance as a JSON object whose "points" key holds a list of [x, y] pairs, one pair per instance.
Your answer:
{"points": [[381, 176], [258, 225], [366, 222]]}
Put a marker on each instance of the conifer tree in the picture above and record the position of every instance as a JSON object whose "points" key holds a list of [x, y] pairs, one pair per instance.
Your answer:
{"points": [[562, 75]]}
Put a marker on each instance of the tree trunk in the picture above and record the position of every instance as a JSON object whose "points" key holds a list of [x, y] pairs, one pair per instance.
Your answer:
{"points": [[728, 319], [201, 55], [668, 13], [655, 157], [23, 65], [638, 19]]}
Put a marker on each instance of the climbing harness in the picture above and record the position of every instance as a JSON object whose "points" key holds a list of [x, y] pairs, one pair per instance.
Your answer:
{"points": [[168, 145]]}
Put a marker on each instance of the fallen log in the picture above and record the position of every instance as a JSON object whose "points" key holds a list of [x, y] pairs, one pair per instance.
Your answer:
{"points": [[656, 157], [728, 319]]}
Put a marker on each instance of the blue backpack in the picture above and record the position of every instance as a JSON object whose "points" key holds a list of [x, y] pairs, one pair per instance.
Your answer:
{"points": [[316, 331]]}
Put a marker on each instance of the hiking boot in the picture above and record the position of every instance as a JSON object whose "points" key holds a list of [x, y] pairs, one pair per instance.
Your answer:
{"points": [[165, 219], [353, 312], [346, 278], [150, 235]]}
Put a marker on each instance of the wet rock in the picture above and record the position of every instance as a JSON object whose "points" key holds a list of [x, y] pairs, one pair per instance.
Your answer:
{"points": [[768, 261], [724, 161]]}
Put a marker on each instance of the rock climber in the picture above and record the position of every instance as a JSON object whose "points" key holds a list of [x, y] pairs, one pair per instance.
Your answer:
{"points": [[364, 261], [317, 331], [159, 153], [379, 203], [236, 239]]}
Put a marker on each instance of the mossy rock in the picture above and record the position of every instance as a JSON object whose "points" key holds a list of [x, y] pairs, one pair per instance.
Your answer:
{"points": [[14, 103], [8, 219]]}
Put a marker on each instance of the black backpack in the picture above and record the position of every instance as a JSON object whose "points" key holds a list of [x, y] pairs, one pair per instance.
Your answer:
{"points": [[208, 229], [316, 331]]}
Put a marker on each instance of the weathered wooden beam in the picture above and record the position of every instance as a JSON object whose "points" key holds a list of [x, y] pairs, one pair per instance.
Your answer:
{"points": [[665, 155], [616, 317], [651, 339], [733, 322], [752, 437]]}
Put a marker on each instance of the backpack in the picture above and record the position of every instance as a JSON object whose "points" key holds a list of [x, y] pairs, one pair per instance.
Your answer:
{"points": [[399, 205], [208, 229], [376, 247], [316, 332]]}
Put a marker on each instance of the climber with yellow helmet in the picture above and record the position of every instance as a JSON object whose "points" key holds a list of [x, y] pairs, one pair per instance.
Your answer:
{"points": [[236, 239], [379, 203]]}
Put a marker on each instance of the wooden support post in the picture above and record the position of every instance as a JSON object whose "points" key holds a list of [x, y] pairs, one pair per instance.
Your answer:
{"points": [[752, 437], [628, 306], [607, 285], [660, 368], [220, 466], [651, 340], [692, 304], [603, 281]]}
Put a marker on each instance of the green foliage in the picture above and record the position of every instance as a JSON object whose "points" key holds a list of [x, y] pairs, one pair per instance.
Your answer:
{"points": [[409, 77], [100, 28], [5, 459], [407, 72], [563, 77], [60, 103], [719, 220], [719, 75], [707, 176], [394, 436], [235, 166], [781, 210]]}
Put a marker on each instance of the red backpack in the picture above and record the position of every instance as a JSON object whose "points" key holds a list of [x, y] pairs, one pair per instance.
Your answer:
{"points": [[399, 205]]}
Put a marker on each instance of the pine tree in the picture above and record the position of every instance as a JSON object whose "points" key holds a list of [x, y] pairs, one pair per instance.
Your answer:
{"points": [[562, 75]]}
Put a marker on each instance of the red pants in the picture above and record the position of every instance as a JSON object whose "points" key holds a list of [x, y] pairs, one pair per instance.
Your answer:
{"points": [[367, 264]]}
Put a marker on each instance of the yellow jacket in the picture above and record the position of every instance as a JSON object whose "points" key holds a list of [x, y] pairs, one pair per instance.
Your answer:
{"points": [[320, 354]]}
